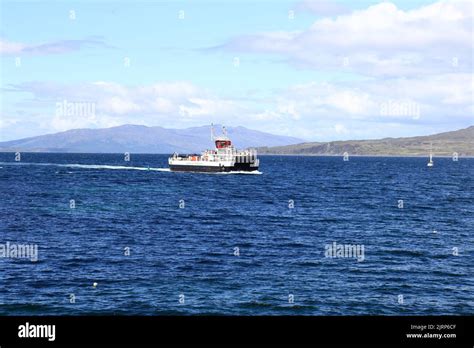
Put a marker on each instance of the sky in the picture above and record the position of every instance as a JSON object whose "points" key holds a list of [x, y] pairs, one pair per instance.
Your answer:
{"points": [[319, 70]]}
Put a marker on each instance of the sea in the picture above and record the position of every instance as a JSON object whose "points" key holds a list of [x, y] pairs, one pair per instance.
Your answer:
{"points": [[103, 234]]}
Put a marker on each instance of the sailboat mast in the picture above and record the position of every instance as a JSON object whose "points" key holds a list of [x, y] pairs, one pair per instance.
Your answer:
{"points": [[430, 163]]}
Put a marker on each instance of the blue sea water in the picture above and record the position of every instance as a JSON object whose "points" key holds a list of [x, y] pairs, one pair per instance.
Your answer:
{"points": [[190, 250]]}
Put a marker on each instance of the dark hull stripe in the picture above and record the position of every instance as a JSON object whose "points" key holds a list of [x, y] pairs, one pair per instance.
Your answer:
{"points": [[191, 168]]}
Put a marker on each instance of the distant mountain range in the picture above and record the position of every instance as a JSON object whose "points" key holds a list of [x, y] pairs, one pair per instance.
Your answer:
{"points": [[142, 139], [444, 144]]}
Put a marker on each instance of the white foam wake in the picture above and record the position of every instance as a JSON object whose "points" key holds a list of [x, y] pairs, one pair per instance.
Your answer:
{"points": [[88, 166], [111, 167], [104, 166]]}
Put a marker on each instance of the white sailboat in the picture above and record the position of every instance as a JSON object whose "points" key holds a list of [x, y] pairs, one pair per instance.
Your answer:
{"points": [[431, 163]]}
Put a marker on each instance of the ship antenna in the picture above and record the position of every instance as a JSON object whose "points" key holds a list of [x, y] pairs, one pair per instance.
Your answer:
{"points": [[212, 131], [224, 131]]}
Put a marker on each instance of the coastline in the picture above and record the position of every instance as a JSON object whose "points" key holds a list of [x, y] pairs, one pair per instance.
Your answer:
{"points": [[259, 154]]}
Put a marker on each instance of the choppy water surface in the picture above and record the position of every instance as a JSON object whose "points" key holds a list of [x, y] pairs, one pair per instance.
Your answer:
{"points": [[191, 250]]}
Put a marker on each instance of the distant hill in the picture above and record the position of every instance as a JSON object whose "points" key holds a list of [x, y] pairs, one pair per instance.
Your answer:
{"points": [[142, 139], [444, 144]]}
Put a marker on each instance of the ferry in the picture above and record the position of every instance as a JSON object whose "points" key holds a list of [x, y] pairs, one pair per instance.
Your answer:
{"points": [[224, 158]]}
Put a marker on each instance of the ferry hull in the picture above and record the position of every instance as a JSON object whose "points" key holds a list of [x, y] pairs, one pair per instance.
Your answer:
{"points": [[244, 167]]}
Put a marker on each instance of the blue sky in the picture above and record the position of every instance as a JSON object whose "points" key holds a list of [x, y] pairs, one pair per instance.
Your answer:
{"points": [[318, 70]]}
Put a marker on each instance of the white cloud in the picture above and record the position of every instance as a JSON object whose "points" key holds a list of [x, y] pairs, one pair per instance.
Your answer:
{"points": [[205, 107], [351, 102], [162, 105], [8, 47], [118, 105], [322, 7], [312, 110], [372, 108], [340, 129], [381, 40], [60, 123], [172, 104], [46, 48], [4, 122], [268, 116], [448, 94]]}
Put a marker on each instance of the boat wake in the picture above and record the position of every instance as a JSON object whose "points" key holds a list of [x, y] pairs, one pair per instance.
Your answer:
{"points": [[111, 167], [88, 166], [100, 166]]}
